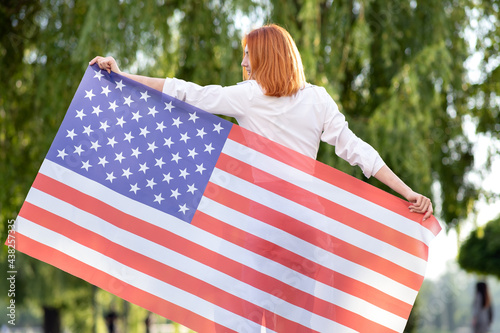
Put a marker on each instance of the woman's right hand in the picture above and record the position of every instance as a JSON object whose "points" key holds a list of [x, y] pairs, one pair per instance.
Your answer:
{"points": [[109, 64]]}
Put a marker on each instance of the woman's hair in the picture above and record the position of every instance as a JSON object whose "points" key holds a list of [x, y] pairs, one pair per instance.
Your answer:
{"points": [[275, 61]]}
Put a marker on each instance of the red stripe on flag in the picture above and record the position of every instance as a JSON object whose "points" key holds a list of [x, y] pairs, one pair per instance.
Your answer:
{"points": [[313, 270], [186, 247], [112, 284], [319, 204], [290, 259], [324, 206], [338, 213], [330, 175], [154, 268]]}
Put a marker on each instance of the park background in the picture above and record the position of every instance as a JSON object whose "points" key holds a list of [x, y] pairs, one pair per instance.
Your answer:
{"points": [[418, 80]]}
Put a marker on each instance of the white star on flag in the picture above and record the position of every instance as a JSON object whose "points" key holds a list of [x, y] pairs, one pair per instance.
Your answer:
{"points": [[136, 116], [152, 147], [97, 110], [104, 125], [158, 198], [152, 111], [169, 106], [98, 75], [80, 114], [120, 85], [120, 122], [102, 161], [193, 117], [105, 91], [160, 127], [126, 173], [110, 177], [134, 188], [89, 94], [71, 134], [78, 150], [145, 96], [61, 153], [113, 106], [95, 145], [217, 127], [86, 165], [112, 142], [128, 100]]}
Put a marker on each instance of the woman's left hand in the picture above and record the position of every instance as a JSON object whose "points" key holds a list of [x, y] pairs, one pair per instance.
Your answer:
{"points": [[420, 204]]}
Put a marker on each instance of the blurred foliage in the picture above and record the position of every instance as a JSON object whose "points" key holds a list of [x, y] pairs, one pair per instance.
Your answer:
{"points": [[397, 69], [486, 87], [480, 253]]}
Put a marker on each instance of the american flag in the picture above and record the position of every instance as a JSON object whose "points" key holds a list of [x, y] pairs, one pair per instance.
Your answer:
{"points": [[214, 227]]}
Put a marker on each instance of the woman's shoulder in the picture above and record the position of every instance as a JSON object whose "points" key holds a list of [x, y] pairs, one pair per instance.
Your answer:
{"points": [[316, 94], [250, 87], [317, 89], [248, 84]]}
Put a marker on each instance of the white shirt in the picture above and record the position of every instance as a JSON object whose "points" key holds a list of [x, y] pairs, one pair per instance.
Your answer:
{"points": [[298, 122]]}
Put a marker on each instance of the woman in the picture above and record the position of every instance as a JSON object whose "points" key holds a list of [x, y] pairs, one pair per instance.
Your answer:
{"points": [[276, 102], [482, 310]]}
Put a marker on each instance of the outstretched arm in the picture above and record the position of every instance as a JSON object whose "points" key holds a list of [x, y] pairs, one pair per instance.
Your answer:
{"points": [[420, 204], [109, 64]]}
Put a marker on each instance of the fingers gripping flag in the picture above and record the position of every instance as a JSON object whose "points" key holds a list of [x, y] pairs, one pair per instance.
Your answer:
{"points": [[215, 227]]}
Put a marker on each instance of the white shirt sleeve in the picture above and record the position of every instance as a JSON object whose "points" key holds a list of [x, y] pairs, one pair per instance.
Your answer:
{"points": [[347, 145], [226, 101], [245, 102]]}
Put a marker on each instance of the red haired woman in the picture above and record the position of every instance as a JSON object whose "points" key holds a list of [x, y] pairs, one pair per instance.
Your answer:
{"points": [[276, 102]]}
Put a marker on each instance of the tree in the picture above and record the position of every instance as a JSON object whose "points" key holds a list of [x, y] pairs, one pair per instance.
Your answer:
{"points": [[480, 253], [486, 88]]}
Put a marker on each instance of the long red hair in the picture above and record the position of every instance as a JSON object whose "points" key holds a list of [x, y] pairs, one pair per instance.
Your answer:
{"points": [[275, 61]]}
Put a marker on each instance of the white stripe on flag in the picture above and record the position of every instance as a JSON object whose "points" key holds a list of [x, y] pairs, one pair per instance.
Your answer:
{"points": [[189, 266], [209, 241], [105, 194], [187, 231], [309, 285], [131, 276], [294, 210], [230, 250], [328, 191], [320, 221]]}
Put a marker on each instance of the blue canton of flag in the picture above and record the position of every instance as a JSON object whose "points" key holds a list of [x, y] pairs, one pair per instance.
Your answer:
{"points": [[139, 142]]}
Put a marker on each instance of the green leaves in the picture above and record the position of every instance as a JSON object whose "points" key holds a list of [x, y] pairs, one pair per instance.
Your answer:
{"points": [[480, 253]]}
